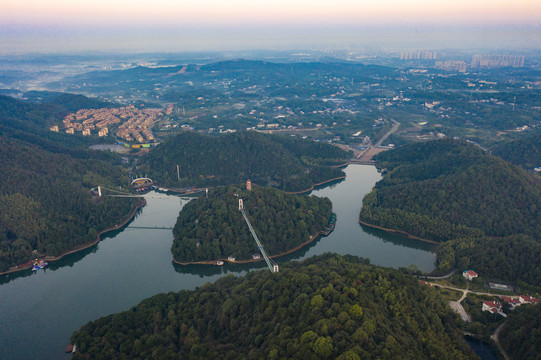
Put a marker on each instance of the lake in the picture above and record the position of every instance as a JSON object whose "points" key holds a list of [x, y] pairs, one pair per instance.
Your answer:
{"points": [[39, 311]]}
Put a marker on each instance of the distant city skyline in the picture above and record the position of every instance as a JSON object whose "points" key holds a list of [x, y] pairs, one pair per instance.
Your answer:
{"points": [[168, 25]]}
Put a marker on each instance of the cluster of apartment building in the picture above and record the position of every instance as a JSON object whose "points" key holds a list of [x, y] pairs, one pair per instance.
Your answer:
{"points": [[451, 65], [131, 123], [418, 55], [478, 61], [493, 61]]}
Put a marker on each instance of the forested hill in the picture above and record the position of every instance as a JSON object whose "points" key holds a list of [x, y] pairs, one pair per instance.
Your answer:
{"points": [[512, 259], [288, 163], [520, 336], [447, 189], [525, 152], [327, 307], [29, 122], [213, 228], [45, 202], [70, 102]]}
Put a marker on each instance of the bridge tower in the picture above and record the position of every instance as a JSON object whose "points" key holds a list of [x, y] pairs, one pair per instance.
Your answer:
{"points": [[99, 191], [241, 205]]}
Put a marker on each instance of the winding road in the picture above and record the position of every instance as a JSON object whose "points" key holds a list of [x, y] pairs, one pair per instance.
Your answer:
{"points": [[457, 307], [495, 336]]}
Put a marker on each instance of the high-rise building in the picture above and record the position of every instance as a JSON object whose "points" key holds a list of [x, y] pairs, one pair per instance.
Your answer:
{"points": [[418, 55], [494, 61]]}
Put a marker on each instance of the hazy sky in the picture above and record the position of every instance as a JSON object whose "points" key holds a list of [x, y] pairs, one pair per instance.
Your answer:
{"points": [[184, 25]]}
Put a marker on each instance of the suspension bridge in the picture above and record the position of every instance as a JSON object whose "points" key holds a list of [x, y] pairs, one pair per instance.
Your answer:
{"points": [[273, 267], [151, 227]]}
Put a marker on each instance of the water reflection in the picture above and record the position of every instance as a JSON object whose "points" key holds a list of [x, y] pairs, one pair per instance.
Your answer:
{"points": [[209, 270], [71, 259], [483, 350], [134, 263], [399, 239]]}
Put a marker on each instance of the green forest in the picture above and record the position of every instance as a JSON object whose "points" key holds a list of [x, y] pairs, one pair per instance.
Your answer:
{"points": [[326, 307], [513, 259], [448, 189], [520, 336], [287, 163], [45, 200], [213, 228], [525, 152]]}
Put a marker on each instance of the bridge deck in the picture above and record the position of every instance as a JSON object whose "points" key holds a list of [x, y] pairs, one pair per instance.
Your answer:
{"points": [[273, 267]]}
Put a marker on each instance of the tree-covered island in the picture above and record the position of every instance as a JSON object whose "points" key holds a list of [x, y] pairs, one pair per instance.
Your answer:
{"points": [[212, 228]]}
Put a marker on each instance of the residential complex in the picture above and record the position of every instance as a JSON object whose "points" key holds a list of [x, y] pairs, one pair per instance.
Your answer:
{"points": [[133, 125]]}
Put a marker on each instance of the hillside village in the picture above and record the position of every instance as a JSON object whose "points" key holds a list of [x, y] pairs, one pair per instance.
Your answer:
{"points": [[131, 124]]}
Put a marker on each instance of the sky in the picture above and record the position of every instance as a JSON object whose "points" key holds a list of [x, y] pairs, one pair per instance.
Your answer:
{"points": [[193, 25]]}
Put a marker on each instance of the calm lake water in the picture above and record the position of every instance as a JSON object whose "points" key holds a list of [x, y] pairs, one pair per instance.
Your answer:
{"points": [[39, 311]]}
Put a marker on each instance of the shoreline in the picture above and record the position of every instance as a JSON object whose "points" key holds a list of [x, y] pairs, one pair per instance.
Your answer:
{"points": [[247, 261], [401, 232], [313, 186], [197, 190], [28, 264]]}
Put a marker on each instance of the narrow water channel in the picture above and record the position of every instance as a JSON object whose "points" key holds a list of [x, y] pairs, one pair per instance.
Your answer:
{"points": [[39, 311]]}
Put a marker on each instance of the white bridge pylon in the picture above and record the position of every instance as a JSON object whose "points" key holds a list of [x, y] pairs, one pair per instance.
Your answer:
{"points": [[273, 267]]}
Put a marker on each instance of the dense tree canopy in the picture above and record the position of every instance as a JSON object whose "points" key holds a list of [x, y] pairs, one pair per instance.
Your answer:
{"points": [[45, 202], [213, 228], [525, 152], [512, 258], [520, 336], [328, 307], [288, 163], [449, 189]]}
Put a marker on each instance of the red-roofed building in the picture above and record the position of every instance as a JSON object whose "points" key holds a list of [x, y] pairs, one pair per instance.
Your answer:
{"points": [[470, 274], [492, 306], [524, 299], [514, 302]]}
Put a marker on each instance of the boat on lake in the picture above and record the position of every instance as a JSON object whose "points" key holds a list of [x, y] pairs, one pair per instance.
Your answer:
{"points": [[39, 264], [329, 228]]}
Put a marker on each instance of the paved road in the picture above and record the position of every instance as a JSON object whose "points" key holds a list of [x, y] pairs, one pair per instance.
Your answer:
{"points": [[456, 305], [459, 309], [497, 341], [466, 291], [395, 127], [438, 277]]}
